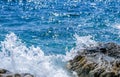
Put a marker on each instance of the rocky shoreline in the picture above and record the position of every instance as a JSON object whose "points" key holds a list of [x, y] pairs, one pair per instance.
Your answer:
{"points": [[6, 73], [102, 60]]}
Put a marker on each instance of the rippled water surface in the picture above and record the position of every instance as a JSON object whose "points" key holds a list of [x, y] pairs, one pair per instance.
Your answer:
{"points": [[51, 27]]}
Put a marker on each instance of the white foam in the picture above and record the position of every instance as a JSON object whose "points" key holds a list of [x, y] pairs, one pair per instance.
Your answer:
{"points": [[56, 14], [116, 26], [82, 42], [17, 57]]}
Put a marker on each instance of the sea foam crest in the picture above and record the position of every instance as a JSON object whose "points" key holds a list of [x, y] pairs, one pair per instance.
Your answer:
{"points": [[82, 42], [17, 57]]}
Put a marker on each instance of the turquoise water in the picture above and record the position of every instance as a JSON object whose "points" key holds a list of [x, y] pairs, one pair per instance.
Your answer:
{"points": [[53, 28]]}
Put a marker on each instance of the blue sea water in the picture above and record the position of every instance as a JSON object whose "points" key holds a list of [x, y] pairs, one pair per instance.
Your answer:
{"points": [[37, 36]]}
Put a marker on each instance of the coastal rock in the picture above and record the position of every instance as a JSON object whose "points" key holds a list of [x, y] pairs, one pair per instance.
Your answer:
{"points": [[28, 75], [102, 60], [6, 73]]}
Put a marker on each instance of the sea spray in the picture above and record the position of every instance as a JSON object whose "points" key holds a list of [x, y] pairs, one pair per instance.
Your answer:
{"points": [[33, 60], [14, 54], [81, 43]]}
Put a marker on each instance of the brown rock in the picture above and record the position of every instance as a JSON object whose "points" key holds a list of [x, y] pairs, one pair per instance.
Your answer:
{"points": [[28, 75], [17, 75], [88, 64], [107, 74], [3, 71], [6, 73], [96, 72], [1, 75], [9, 76]]}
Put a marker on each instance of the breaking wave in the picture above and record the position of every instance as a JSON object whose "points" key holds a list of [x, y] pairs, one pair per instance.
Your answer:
{"points": [[17, 57]]}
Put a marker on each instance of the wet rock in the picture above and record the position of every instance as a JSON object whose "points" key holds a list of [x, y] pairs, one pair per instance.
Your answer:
{"points": [[1, 75], [107, 74], [28, 75], [17, 75], [3, 71], [6, 73], [9, 75], [99, 61], [96, 72]]}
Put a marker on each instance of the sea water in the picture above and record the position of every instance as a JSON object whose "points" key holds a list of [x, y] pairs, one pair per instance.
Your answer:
{"points": [[40, 36]]}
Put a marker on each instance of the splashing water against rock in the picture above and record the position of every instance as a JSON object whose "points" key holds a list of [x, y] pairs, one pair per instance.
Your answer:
{"points": [[99, 61], [16, 57]]}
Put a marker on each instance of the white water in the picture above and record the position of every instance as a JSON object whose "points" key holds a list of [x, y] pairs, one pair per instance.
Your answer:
{"points": [[17, 57], [82, 42]]}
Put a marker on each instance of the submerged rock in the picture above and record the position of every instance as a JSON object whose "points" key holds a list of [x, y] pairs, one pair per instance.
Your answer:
{"points": [[99, 61], [6, 73]]}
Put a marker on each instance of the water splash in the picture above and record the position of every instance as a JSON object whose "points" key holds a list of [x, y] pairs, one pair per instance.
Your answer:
{"points": [[81, 43], [17, 57], [117, 26], [84, 41]]}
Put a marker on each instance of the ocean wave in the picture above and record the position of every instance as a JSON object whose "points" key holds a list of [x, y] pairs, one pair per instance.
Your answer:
{"points": [[17, 57]]}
